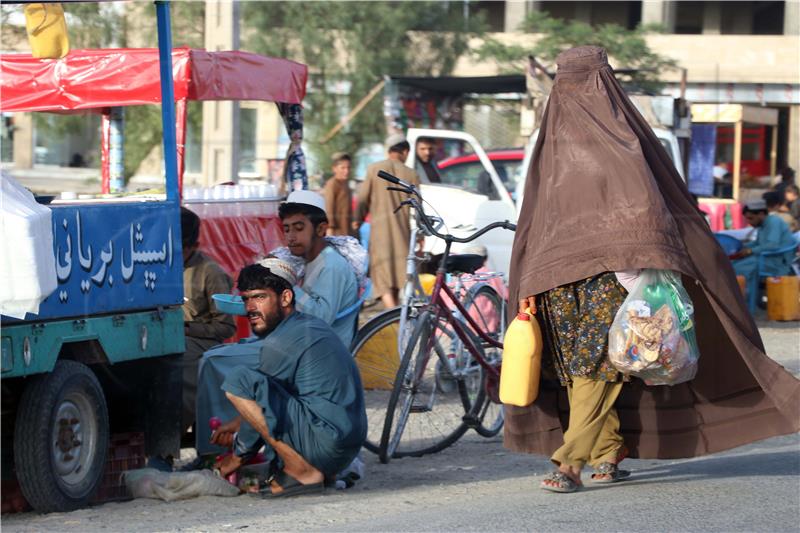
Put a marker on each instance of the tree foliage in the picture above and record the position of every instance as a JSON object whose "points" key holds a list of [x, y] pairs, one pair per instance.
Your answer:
{"points": [[349, 47], [627, 49], [116, 25]]}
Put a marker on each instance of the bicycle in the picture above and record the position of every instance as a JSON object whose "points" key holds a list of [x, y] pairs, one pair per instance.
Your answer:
{"points": [[448, 375]]}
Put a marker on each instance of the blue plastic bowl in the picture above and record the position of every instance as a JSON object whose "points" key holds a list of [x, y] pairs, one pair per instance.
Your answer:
{"points": [[231, 304], [729, 244]]}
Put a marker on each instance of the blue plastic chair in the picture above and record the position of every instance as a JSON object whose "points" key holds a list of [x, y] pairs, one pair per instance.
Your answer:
{"points": [[752, 296]]}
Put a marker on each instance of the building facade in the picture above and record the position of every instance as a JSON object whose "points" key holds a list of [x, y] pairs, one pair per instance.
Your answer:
{"points": [[734, 52]]}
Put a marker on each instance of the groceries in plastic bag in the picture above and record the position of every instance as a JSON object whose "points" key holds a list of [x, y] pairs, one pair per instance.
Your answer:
{"points": [[653, 334], [172, 486]]}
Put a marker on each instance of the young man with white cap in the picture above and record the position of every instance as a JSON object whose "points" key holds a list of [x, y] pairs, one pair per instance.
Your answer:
{"points": [[329, 284], [389, 230], [303, 401]]}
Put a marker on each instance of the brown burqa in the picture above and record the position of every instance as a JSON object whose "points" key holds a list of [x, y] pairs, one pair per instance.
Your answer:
{"points": [[603, 195]]}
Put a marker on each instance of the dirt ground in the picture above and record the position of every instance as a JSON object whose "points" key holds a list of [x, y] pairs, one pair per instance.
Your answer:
{"points": [[477, 485]]}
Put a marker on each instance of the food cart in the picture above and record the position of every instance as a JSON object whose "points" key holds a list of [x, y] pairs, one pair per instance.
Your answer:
{"points": [[96, 357]]}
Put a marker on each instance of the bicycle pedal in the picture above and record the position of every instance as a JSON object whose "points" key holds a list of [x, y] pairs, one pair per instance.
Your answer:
{"points": [[471, 421], [420, 409]]}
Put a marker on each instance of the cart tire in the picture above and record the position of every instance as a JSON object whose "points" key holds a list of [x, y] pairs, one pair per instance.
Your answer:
{"points": [[61, 438]]}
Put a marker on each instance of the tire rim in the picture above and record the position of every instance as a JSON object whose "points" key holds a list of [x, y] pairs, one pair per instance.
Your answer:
{"points": [[74, 438]]}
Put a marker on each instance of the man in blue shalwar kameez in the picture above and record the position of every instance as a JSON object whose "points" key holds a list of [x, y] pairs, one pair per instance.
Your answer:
{"points": [[773, 234], [328, 287], [304, 402]]}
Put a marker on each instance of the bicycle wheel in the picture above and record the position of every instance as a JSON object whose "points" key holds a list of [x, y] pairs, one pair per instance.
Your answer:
{"points": [[487, 308], [375, 352], [428, 403]]}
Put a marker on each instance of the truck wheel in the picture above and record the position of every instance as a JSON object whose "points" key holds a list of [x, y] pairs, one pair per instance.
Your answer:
{"points": [[61, 438]]}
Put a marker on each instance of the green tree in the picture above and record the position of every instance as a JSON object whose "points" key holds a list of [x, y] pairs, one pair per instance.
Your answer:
{"points": [[628, 50], [116, 25], [349, 47], [143, 129]]}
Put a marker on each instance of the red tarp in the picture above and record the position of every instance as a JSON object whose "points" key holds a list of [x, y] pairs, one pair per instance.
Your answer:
{"points": [[90, 79], [236, 241]]}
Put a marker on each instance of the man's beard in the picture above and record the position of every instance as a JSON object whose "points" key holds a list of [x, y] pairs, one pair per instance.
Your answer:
{"points": [[271, 322]]}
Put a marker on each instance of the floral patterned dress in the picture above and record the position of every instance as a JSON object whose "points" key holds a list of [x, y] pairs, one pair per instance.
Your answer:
{"points": [[576, 320]]}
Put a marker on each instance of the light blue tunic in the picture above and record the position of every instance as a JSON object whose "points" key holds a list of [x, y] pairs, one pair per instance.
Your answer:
{"points": [[329, 286], [773, 234]]}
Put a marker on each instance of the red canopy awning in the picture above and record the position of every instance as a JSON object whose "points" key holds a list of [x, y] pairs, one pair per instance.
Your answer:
{"points": [[90, 79]]}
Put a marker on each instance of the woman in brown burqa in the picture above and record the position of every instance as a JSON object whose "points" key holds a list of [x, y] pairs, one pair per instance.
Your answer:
{"points": [[603, 197]]}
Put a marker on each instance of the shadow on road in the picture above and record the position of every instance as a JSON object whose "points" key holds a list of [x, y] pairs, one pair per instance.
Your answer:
{"points": [[782, 463]]}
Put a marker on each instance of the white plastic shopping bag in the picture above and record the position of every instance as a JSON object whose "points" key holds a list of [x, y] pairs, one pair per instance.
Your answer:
{"points": [[653, 334]]}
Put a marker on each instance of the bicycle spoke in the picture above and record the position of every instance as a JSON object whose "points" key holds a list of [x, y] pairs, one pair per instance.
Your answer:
{"points": [[434, 417]]}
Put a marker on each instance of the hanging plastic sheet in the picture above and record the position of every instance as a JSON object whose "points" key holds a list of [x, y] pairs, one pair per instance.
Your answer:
{"points": [[295, 169]]}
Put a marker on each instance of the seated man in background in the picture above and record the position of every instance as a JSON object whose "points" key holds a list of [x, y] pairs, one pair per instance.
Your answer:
{"points": [[204, 325], [304, 402], [791, 195], [773, 234], [776, 207]]}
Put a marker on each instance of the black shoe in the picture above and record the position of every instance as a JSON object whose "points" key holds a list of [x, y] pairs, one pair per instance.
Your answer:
{"points": [[198, 463], [160, 463]]}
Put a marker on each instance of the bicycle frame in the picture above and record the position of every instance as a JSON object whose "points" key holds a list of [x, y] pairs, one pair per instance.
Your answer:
{"points": [[443, 310]]}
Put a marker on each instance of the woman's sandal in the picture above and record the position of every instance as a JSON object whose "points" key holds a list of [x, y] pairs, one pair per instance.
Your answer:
{"points": [[609, 473], [611, 470], [290, 486], [563, 483]]}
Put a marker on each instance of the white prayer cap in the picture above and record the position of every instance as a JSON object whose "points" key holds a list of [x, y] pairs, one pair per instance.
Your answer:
{"points": [[394, 139], [308, 198], [282, 269]]}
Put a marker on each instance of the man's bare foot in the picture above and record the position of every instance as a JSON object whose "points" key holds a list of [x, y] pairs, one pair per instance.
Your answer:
{"points": [[308, 476], [229, 464]]}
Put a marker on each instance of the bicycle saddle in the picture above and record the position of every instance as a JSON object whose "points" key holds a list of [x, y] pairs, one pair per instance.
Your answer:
{"points": [[464, 263]]}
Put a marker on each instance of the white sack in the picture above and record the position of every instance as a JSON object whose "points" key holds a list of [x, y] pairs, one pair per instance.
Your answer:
{"points": [[27, 261], [173, 486]]}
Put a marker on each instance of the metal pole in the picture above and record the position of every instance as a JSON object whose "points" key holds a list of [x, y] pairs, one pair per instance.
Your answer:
{"points": [[167, 99], [737, 158]]}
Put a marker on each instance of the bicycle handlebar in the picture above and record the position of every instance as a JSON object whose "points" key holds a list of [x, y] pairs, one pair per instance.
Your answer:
{"points": [[406, 187], [425, 220]]}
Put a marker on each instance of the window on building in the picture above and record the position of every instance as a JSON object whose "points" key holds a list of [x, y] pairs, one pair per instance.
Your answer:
{"points": [[67, 140], [248, 131], [6, 138], [730, 17], [493, 13], [193, 150], [689, 17], [625, 14], [767, 17]]}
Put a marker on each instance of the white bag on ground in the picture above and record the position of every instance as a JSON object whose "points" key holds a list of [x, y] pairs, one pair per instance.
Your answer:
{"points": [[27, 261], [172, 486]]}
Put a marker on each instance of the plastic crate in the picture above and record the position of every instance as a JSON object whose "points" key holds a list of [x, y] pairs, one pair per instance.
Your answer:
{"points": [[125, 452]]}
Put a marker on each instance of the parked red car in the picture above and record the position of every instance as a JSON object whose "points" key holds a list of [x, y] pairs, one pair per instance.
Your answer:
{"points": [[507, 163]]}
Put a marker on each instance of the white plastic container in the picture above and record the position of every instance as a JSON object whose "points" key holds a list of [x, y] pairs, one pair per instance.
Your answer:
{"points": [[27, 261]]}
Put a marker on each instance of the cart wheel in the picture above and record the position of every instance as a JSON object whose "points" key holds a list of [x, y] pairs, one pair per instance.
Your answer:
{"points": [[61, 438]]}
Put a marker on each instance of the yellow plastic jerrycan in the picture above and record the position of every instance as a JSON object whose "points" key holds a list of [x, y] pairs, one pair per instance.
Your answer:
{"points": [[522, 361], [47, 30], [783, 298]]}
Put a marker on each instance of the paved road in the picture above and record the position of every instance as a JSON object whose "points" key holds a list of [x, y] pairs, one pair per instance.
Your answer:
{"points": [[476, 485]]}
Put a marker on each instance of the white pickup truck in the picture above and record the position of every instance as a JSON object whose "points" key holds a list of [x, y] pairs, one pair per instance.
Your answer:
{"points": [[471, 200]]}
